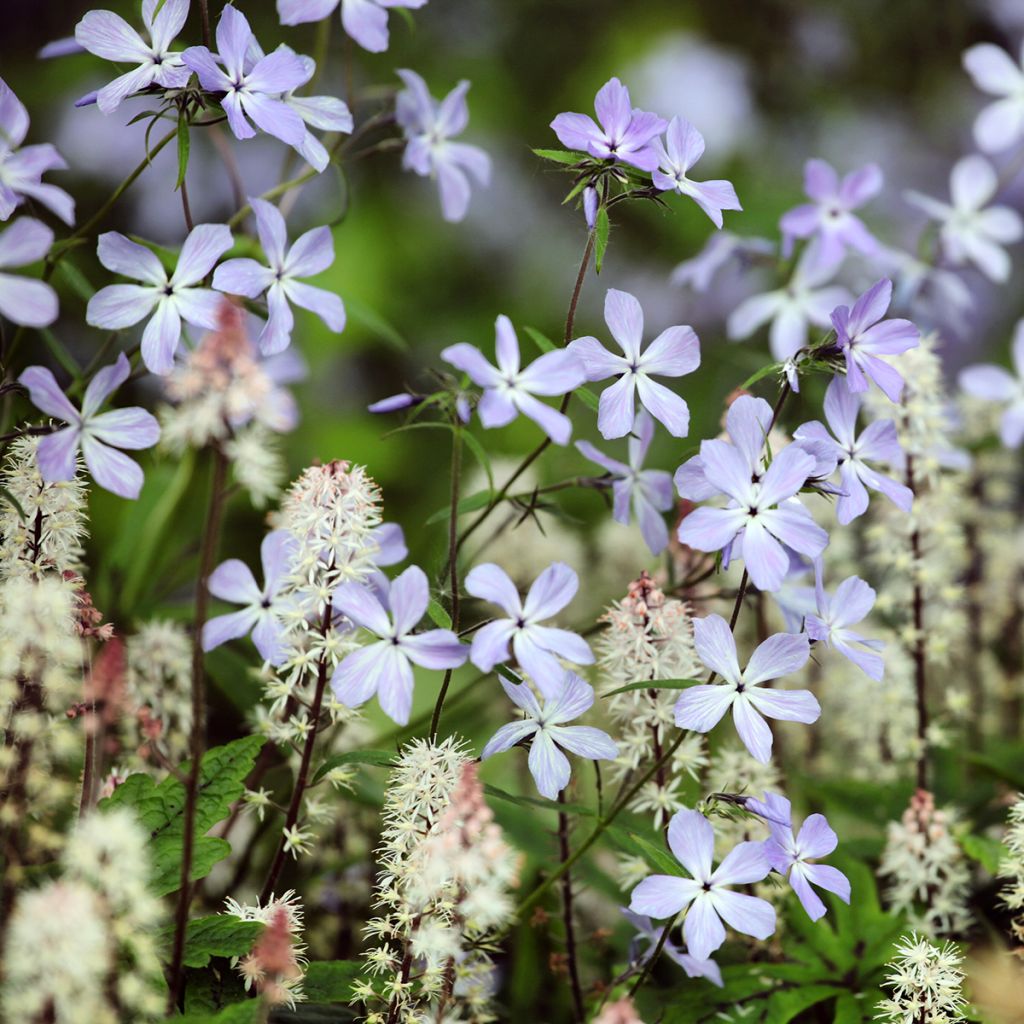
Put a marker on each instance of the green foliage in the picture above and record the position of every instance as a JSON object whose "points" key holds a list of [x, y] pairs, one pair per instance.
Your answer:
{"points": [[161, 810], [377, 758], [330, 981], [216, 935], [602, 230], [654, 684], [247, 1012]]}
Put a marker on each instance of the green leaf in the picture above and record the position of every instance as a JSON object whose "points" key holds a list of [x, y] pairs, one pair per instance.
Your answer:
{"points": [[248, 1012], [376, 324], [468, 504], [216, 935], [11, 500], [848, 1009], [481, 456], [506, 673], [330, 981], [376, 758], [559, 156], [601, 232], [76, 280], [787, 1004], [987, 852], [654, 853], [654, 684], [438, 616], [61, 354], [765, 371], [535, 801], [184, 145], [161, 810], [542, 342]]}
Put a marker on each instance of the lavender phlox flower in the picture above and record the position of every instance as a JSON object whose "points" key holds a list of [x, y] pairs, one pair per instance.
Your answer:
{"points": [[762, 516], [795, 599], [63, 47], [535, 646], [692, 841], [682, 148], [98, 435], [806, 301], [109, 36], [1001, 124], [698, 271], [22, 167], [674, 353], [971, 231], [702, 707], [429, 127], [624, 133], [384, 668], [310, 254], [646, 940], [509, 388], [828, 220], [864, 338], [590, 206], [878, 442], [548, 730], [647, 493], [995, 384], [170, 299], [233, 581], [22, 300], [793, 856], [393, 403], [850, 604], [366, 21], [251, 90]]}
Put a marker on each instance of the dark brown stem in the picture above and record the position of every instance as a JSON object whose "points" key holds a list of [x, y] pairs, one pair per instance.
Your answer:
{"points": [[572, 959], [211, 538], [204, 12], [186, 209]]}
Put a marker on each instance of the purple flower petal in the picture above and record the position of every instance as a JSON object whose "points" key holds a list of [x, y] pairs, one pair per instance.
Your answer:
{"points": [[691, 838], [112, 470], [435, 649], [778, 656], [553, 589], [548, 766], [702, 929]]}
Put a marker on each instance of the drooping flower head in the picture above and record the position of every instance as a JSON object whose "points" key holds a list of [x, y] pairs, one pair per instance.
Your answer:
{"points": [[429, 127], [624, 133], [674, 353], [97, 435], [366, 21], [994, 384], [22, 300]]}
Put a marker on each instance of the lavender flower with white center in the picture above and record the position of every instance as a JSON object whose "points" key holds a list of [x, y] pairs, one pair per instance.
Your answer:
{"points": [[850, 604], [536, 647], [233, 581], [864, 337], [22, 167], [22, 300], [509, 389], [170, 299], [702, 707], [674, 353], [429, 127], [994, 384], [682, 148], [1001, 124], [647, 492], [251, 90], [109, 36], [96, 434], [649, 935], [624, 133], [806, 301], [549, 729], [828, 220], [384, 668], [794, 856], [762, 515], [366, 21], [310, 254], [692, 841], [877, 442], [971, 231]]}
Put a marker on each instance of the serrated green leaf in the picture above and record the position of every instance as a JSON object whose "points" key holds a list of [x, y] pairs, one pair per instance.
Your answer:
{"points": [[654, 684], [602, 231], [788, 1004], [376, 758], [184, 147], [216, 935], [438, 616], [559, 156], [330, 981]]}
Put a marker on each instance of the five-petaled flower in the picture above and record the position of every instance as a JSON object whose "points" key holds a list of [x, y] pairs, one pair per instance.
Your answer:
{"points": [[702, 707], [864, 338], [645, 492], [109, 36], [251, 89], [674, 353], [366, 21], [22, 300], [692, 841], [649, 936], [549, 730], [995, 384], [624, 133], [682, 148], [793, 856], [234, 582], [310, 254], [536, 647], [98, 435], [170, 299], [429, 127], [384, 668], [877, 442], [509, 388], [828, 220]]}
